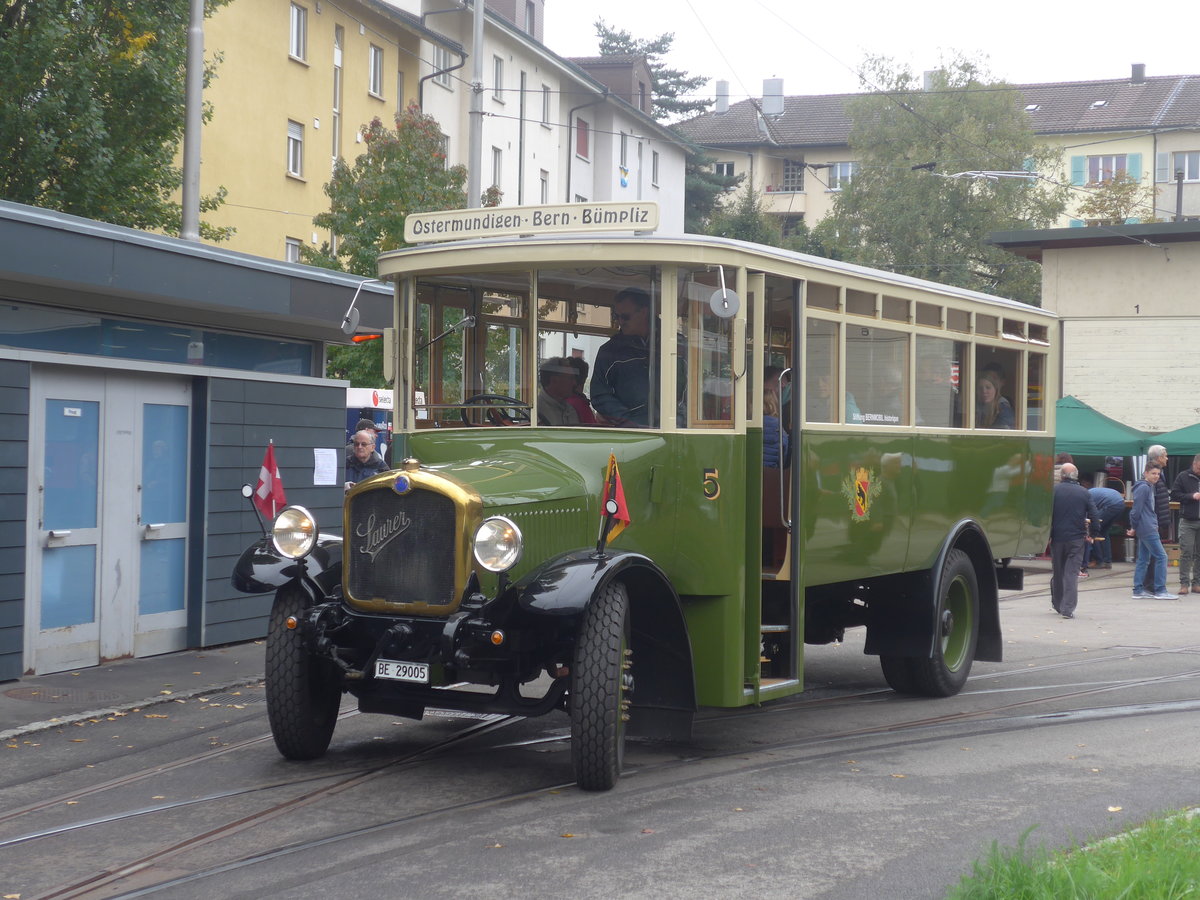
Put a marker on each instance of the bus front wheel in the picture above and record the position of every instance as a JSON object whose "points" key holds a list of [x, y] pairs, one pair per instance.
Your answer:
{"points": [[303, 692], [600, 680]]}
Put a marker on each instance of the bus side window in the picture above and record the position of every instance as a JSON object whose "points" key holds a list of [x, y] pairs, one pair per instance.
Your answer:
{"points": [[939, 366], [820, 371], [877, 375]]}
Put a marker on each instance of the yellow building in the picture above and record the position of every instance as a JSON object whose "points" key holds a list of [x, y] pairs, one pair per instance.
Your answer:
{"points": [[296, 82]]}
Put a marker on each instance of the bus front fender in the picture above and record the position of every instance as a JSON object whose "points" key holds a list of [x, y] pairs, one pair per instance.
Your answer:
{"points": [[664, 693], [261, 568]]}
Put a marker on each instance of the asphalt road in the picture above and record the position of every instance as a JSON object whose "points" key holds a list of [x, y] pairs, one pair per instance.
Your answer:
{"points": [[847, 792]]}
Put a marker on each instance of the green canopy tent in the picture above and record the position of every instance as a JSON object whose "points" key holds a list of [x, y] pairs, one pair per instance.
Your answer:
{"points": [[1082, 431], [1180, 442]]}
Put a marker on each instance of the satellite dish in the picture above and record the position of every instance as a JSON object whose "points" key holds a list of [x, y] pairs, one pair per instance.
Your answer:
{"points": [[350, 322], [724, 303]]}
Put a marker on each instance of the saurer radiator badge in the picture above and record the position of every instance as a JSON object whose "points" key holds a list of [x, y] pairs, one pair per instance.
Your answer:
{"points": [[379, 534], [859, 490]]}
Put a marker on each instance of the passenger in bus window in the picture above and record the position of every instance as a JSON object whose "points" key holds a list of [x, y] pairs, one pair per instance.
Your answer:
{"points": [[775, 438], [557, 378], [621, 377], [991, 409], [578, 398]]}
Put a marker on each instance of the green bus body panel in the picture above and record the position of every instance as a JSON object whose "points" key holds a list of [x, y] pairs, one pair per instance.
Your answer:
{"points": [[873, 503]]}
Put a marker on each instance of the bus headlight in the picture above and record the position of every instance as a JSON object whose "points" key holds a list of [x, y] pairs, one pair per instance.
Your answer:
{"points": [[294, 532], [498, 544]]}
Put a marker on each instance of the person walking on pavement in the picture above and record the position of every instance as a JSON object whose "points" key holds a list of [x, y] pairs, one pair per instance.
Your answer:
{"points": [[1186, 492], [1070, 533], [1157, 456], [1110, 505], [1150, 554]]}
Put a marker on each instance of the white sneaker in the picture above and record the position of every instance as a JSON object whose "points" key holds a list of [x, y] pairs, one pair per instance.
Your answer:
{"points": [[1166, 596]]}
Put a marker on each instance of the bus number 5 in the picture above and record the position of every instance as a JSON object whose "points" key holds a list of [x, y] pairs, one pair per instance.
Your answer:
{"points": [[712, 487]]}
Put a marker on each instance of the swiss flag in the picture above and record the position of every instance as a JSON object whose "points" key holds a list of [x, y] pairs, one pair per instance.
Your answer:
{"points": [[614, 489], [268, 493]]}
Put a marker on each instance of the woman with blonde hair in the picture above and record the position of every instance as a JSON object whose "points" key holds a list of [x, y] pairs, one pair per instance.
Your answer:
{"points": [[991, 409]]}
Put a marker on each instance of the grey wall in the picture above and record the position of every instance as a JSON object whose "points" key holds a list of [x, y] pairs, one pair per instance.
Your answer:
{"points": [[242, 417], [14, 432]]}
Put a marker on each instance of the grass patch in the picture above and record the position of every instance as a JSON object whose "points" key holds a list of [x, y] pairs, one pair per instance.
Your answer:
{"points": [[1159, 860]]}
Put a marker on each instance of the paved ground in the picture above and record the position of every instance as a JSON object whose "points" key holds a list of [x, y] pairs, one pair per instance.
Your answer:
{"points": [[38, 702]]}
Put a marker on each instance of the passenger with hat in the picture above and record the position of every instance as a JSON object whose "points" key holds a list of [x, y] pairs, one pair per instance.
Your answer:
{"points": [[557, 378]]}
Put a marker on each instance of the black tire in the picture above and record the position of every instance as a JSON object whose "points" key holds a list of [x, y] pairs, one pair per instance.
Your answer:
{"points": [[898, 674], [946, 672], [599, 684], [303, 692]]}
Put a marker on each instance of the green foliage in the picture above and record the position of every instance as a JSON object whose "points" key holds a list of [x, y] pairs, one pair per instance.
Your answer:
{"points": [[920, 222], [402, 171], [1117, 200], [704, 190], [1158, 861], [668, 87], [92, 108], [745, 220], [360, 364]]}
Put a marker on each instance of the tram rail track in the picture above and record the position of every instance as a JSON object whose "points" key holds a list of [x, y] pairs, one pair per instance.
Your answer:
{"points": [[991, 718]]}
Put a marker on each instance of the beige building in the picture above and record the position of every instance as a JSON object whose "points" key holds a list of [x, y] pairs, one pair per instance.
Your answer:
{"points": [[795, 149], [1127, 300]]}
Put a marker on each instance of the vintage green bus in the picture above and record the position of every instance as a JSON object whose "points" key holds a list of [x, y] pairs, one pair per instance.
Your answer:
{"points": [[493, 568]]}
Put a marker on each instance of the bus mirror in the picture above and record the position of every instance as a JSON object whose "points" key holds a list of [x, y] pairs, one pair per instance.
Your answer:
{"points": [[724, 303]]}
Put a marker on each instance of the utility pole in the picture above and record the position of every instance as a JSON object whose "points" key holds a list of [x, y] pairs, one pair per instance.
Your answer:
{"points": [[1179, 195], [475, 123], [189, 228]]}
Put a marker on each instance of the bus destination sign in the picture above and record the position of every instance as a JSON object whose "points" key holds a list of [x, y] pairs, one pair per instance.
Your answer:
{"points": [[502, 221]]}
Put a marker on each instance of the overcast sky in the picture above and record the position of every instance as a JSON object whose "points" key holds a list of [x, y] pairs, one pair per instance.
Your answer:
{"points": [[817, 48]]}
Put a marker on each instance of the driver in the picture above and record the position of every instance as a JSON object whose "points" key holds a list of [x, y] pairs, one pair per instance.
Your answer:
{"points": [[557, 377]]}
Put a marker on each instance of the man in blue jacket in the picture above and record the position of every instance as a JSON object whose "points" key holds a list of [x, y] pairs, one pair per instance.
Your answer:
{"points": [[1110, 505], [621, 377], [1071, 525], [1143, 521]]}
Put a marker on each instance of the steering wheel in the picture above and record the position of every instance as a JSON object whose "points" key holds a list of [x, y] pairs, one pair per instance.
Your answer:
{"points": [[499, 409]]}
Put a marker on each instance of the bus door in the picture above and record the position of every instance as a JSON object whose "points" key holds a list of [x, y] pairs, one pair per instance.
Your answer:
{"points": [[780, 612]]}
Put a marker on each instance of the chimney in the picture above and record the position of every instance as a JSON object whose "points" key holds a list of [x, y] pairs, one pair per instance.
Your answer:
{"points": [[722, 98], [1139, 74], [772, 101]]}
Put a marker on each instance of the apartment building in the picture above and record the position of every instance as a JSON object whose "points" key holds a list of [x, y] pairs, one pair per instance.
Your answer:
{"points": [[297, 81], [796, 151]]}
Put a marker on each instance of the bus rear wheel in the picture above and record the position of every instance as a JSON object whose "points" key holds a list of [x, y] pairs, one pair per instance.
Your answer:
{"points": [[303, 692], [945, 673], [600, 681]]}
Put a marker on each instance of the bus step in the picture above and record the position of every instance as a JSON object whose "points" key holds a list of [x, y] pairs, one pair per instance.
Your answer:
{"points": [[776, 629]]}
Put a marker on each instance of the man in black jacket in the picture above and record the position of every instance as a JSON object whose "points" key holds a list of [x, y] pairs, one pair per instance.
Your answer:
{"points": [[1157, 456], [1071, 528], [1186, 492]]}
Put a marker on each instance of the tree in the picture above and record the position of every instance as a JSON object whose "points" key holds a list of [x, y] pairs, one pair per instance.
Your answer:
{"points": [[669, 88], [744, 219], [913, 205], [92, 108], [402, 171], [1115, 201], [703, 192]]}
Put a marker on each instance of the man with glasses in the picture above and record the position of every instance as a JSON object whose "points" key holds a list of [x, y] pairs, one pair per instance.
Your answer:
{"points": [[621, 384], [363, 462]]}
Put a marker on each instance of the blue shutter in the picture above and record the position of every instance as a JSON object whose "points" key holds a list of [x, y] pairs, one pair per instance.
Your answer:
{"points": [[1133, 166], [1077, 223], [1078, 167]]}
